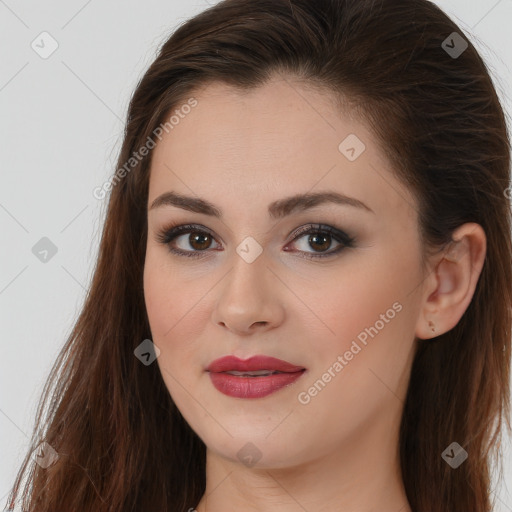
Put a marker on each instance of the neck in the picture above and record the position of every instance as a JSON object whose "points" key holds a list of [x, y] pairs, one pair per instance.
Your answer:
{"points": [[363, 474]]}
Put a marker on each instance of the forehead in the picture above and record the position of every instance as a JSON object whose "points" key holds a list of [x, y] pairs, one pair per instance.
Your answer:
{"points": [[282, 138]]}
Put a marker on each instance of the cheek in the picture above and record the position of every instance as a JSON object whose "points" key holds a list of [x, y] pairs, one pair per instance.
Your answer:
{"points": [[372, 328], [353, 302], [173, 305], [158, 296], [368, 317], [168, 297]]}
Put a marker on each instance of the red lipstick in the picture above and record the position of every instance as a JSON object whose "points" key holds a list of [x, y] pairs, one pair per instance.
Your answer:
{"points": [[255, 377]]}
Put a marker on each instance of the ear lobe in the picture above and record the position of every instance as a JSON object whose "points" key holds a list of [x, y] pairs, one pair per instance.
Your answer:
{"points": [[451, 286]]}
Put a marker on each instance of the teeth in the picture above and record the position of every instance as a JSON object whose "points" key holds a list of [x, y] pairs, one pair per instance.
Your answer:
{"points": [[255, 373]]}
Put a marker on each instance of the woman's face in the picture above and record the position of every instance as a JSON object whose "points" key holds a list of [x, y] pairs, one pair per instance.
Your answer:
{"points": [[343, 314]]}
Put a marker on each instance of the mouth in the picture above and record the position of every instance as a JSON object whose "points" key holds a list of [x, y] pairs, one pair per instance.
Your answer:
{"points": [[255, 377], [256, 373]]}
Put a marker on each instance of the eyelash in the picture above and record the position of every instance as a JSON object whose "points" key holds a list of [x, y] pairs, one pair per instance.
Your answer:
{"points": [[169, 233]]}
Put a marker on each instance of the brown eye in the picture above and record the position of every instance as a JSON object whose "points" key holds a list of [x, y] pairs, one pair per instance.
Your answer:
{"points": [[320, 238], [188, 240], [199, 240], [321, 241]]}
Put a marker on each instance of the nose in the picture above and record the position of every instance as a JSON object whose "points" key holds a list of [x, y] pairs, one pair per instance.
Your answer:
{"points": [[250, 298]]}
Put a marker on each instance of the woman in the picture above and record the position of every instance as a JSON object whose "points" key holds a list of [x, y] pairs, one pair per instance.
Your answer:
{"points": [[302, 299]]}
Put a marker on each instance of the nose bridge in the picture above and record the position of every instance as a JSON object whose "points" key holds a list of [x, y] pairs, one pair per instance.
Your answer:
{"points": [[247, 296], [248, 274]]}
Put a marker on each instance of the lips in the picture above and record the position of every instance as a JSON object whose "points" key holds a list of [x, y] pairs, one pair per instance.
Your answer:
{"points": [[253, 364], [255, 377]]}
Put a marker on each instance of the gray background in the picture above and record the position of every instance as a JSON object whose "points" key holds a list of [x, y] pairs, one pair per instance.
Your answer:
{"points": [[61, 127]]}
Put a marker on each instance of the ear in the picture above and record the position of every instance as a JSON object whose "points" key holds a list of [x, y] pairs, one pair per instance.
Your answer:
{"points": [[449, 288]]}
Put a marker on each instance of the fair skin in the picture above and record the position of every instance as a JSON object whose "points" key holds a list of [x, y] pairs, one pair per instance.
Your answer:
{"points": [[240, 152]]}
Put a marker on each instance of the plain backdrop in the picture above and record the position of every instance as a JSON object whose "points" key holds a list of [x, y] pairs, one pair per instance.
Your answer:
{"points": [[60, 130]]}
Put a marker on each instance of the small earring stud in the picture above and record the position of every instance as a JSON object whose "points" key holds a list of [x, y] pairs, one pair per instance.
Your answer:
{"points": [[431, 325]]}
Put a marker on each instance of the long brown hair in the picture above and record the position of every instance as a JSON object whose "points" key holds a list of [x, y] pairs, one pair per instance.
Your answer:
{"points": [[122, 444]]}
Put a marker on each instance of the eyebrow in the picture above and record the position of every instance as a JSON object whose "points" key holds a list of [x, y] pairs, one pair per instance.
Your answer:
{"points": [[277, 209]]}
